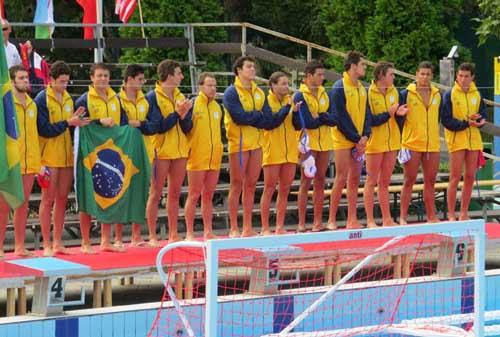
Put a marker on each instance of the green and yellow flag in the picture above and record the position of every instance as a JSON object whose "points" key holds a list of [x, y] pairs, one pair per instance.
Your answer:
{"points": [[11, 184], [112, 173]]}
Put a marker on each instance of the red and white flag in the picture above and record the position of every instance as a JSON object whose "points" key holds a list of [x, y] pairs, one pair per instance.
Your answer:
{"points": [[124, 9]]}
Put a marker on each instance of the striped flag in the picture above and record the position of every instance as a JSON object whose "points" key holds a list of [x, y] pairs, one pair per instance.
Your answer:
{"points": [[11, 185], [44, 13], [124, 9]]}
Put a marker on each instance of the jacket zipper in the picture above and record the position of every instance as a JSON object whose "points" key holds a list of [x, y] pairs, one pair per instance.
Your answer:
{"points": [[64, 134], [319, 129], [25, 142], [470, 133], [284, 136], [388, 126], [211, 136]]}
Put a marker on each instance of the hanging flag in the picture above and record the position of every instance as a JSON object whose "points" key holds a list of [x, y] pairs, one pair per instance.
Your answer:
{"points": [[44, 13], [124, 9], [11, 185], [112, 173], [89, 16], [2, 10]]}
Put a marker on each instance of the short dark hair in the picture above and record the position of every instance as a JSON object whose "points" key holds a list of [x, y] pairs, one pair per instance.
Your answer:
{"points": [[275, 77], [312, 66], [204, 76], [467, 66], [381, 69], [165, 68], [425, 65], [240, 61], [97, 66], [14, 70], [352, 57], [59, 68], [132, 70]]}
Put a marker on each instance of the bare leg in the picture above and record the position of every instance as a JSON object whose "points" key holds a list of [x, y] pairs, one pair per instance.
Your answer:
{"points": [[45, 212], [322, 158], [106, 245], [237, 170], [271, 177], [469, 176], [136, 239], [287, 173], [305, 184], [21, 217], [118, 235], [249, 184], [352, 194], [373, 169], [207, 195], [63, 190], [4, 218], [196, 180], [384, 180], [162, 168], [456, 163], [175, 181], [410, 170], [430, 166], [85, 220], [342, 161]]}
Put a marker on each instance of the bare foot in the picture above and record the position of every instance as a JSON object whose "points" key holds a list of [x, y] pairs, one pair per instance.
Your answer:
{"points": [[318, 228], [61, 250], [433, 220], [389, 223], [266, 232], [107, 247], [402, 222], [23, 253], [87, 249], [154, 243], [332, 226], [301, 229], [2, 254], [234, 233], [138, 243], [118, 243], [248, 233], [354, 225], [174, 238], [280, 231], [47, 251], [371, 224], [210, 236], [190, 237], [463, 217]]}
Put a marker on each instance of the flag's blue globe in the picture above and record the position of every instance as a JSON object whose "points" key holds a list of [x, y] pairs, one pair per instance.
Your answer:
{"points": [[108, 173]]}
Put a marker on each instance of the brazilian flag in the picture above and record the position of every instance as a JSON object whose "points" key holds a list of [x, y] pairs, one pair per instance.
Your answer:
{"points": [[112, 173], [11, 184]]}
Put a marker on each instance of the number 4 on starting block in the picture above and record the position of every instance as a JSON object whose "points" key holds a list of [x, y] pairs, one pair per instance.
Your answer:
{"points": [[50, 283]]}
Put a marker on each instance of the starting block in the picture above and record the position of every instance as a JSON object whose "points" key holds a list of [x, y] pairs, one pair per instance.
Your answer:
{"points": [[265, 270], [50, 283]]}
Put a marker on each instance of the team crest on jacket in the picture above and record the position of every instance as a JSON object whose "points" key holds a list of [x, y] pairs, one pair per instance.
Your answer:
{"points": [[111, 171]]}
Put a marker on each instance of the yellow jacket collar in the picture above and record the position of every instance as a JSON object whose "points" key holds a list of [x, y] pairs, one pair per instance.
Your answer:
{"points": [[239, 85], [347, 80], [51, 94], [109, 93], [472, 88], [123, 95], [18, 102], [159, 90], [373, 88], [283, 101], [412, 87], [203, 97], [305, 89]]}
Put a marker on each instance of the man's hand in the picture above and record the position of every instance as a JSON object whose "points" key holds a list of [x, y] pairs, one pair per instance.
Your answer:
{"points": [[402, 110], [77, 118], [134, 123], [107, 122], [183, 107], [393, 109]]}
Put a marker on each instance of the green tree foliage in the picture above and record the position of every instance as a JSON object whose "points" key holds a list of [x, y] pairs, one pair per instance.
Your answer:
{"points": [[489, 23]]}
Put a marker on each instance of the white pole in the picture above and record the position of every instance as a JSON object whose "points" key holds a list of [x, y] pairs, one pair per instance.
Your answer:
{"points": [[211, 311], [479, 282]]}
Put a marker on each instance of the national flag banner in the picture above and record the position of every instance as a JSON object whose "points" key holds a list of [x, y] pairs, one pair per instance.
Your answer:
{"points": [[89, 16], [2, 9], [11, 184], [112, 173], [124, 9], [44, 13]]}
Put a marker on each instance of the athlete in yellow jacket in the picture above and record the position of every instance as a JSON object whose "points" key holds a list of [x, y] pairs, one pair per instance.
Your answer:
{"points": [[349, 103], [420, 139], [281, 154], [55, 117], [29, 153], [462, 114], [169, 109], [384, 141], [244, 104], [136, 106], [205, 155]]}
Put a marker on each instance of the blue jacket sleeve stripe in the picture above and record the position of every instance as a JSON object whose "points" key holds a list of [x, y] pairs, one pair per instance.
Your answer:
{"points": [[344, 121], [239, 116], [45, 128], [447, 118], [303, 118]]}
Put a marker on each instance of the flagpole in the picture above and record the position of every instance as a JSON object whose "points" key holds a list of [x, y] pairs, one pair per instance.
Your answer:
{"points": [[98, 57], [141, 19]]}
